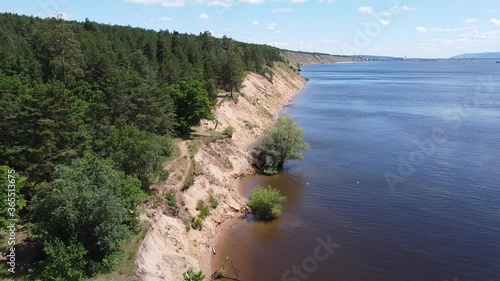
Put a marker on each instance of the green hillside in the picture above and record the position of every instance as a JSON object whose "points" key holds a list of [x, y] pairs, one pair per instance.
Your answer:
{"points": [[88, 115]]}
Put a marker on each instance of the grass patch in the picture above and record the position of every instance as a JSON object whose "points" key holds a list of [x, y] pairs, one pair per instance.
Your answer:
{"points": [[172, 200], [248, 124], [203, 208], [193, 147], [213, 201], [188, 182], [163, 176], [215, 136], [228, 132]]}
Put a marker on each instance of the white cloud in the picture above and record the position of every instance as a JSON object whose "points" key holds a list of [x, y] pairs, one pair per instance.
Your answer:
{"points": [[469, 20], [165, 3], [282, 10], [440, 29], [326, 1], [405, 8], [491, 11], [64, 15], [494, 21], [256, 22], [421, 29], [271, 26], [365, 9], [204, 16], [253, 1], [298, 1], [221, 3], [472, 38], [384, 22], [180, 3], [167, 18], [467, 42], [327, 41], [408, 8], [453, 29]]}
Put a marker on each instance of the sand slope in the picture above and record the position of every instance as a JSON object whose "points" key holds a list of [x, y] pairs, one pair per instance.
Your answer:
{"points": [[168, 249]]}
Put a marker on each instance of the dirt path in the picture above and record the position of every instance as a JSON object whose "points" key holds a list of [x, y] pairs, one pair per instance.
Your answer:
{"points": [[183, 148]]}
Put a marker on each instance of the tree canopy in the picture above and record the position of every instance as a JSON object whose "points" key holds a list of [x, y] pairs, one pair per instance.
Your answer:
{"points": [[67, 86], [192, 104], [90, 208], [266, 203], [280, 143], [88, 114]]}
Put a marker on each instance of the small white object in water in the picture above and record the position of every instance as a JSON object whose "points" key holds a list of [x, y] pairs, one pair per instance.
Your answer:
{"points": [[357, 182], [307, 183]]}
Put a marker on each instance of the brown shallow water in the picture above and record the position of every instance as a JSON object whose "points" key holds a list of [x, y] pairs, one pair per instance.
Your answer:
{"points": [[245, 241]]}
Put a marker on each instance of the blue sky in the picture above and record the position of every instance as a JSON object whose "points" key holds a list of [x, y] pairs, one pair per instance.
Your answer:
{"points": [[413, 28]]}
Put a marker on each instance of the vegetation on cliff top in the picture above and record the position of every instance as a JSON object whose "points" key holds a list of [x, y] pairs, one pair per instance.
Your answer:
{"points": [[88, 114]]}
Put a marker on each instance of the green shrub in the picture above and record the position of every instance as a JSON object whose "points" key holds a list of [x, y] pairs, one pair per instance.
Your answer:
{"points": [[62, 262], [228, 132], [266, 203], [197, 222], [191, 275], [213, 201], [188, 182], [203, 208], [172, 200], [163, 176]]}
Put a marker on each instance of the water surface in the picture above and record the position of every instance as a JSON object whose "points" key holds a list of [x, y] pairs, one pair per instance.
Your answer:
{"points": [[433, 130]]}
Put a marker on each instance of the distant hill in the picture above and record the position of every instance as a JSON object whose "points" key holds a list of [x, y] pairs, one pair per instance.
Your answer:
{"points": [[298, 57], [379, 58], [492, 55]]}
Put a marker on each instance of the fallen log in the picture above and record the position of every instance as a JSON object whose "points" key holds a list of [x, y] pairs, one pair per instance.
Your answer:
{"points": [[213, 248]]}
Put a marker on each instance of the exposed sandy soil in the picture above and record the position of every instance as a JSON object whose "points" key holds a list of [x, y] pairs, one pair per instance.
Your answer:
{"points": [[169, 249], [299, 58]]}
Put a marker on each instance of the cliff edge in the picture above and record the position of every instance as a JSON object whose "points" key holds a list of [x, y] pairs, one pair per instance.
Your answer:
{"points": [[213, 160]]}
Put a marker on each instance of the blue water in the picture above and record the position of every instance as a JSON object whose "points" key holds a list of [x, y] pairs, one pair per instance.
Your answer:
{"points": [[403, 172]]}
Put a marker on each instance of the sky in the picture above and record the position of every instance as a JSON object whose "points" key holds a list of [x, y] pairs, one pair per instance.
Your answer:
{"points": [[412, 28]]}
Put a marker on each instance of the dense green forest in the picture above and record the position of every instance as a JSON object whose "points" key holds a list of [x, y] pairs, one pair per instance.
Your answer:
{"points": [[88, 113]]}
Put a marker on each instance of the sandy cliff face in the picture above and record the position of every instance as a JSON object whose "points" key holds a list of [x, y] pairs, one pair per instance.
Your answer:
{"points": [[169, 249], [303, 58]]}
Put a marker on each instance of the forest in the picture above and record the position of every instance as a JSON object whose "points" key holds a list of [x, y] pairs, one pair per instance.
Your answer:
{"points": [[88, 115]]}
